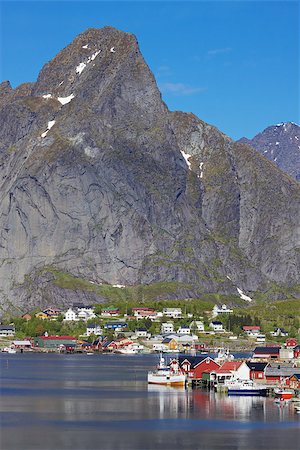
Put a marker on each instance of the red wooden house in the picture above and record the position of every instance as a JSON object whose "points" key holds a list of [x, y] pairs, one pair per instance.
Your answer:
{"points": [[194, 366], [257, 370], [291, 342]]}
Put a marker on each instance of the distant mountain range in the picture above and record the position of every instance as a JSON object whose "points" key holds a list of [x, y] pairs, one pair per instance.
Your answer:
{"points": [[280, 144], [101, 187]]}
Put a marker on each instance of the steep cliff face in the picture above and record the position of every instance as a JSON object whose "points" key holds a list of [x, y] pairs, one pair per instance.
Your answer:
{"points": [[96, 182], [281, 145]]}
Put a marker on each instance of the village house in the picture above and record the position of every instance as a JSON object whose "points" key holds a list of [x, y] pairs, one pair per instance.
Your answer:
{"points": [[7, 330], [266, 352], [142, 333], [195, 366], [279, 373], [291, 342], [197, 325], [217, 326], [175, 313], [41, 315], [115, 326], [286, 353], [261, 338], [110, 312], [22, 344], [70, 315], [251, 330], [52, 313], [144, 313], [183, 330], [26, 316], [294, 381], [232, 370], [167, 327], [297, 351], [279, 332], [93, 328], [170, 343], [257, 370], [223, 309]]}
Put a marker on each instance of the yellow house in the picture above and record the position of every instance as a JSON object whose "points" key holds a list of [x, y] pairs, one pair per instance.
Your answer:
{"points": [[171, 343], [41, 315]]}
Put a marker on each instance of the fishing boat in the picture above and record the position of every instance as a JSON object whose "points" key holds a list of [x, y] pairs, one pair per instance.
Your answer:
{"points": [[245, 387], [167, 375], [285, 394]]}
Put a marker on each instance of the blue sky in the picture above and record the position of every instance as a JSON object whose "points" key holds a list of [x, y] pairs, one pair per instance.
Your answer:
{"points": [[235, 64]]}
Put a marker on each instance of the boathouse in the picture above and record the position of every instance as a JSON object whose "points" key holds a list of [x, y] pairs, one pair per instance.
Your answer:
{"points": [[54, 342], [257, 369], [194, 366], [232, 370], [266, 352]]}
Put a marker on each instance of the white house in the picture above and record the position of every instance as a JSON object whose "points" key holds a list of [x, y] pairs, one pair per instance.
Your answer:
{"points": [[7, 330], [167, 327], [197, 325], [175, 313], [184, 330], [223, 309], [232, 370], [142, 333], [279, 332], [93, 328], [216, 326], [70, 315]]}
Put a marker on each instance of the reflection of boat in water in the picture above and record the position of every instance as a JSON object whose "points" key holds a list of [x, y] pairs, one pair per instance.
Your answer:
{"points": [[245, 387], [167, 375], [284, 394]]}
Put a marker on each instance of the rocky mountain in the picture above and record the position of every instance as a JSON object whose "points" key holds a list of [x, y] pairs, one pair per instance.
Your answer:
{"points": [[102, 187], [280, 144]]}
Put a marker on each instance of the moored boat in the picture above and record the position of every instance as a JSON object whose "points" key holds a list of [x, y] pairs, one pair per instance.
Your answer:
{"points": [[285, 394], [167, 375], [245, 387]]}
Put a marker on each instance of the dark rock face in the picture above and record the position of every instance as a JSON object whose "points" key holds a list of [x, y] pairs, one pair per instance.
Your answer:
{"points": [[99, 180], [280, 144]]}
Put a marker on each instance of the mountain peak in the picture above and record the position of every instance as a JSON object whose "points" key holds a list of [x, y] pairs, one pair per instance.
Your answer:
{"points": [[280, 143]]}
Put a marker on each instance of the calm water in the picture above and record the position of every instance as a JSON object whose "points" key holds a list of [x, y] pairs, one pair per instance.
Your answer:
{"points": [[80, 402]]}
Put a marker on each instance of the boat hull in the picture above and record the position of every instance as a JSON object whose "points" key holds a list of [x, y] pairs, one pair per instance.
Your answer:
{"points": [[285, 395], [172, 380], [260, 392]]}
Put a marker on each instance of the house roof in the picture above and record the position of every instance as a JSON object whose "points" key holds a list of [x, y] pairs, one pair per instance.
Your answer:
{"points": [[229, 366], [257, 366], [193, 360], [7, 327], [216, 322], [53, 338], [281, 370], [167, 340], [296, 375], [264, 350], [250, 327]]}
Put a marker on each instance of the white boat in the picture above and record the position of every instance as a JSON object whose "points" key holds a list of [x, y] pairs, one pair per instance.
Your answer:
{"points": [[245, 387], [167, 375], [9, 350]]}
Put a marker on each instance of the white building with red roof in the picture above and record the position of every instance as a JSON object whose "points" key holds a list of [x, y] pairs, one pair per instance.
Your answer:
{"points": [[232, 370]]}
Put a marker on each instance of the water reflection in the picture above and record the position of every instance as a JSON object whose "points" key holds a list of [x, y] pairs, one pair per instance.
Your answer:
{"points": [[104, 402]]}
